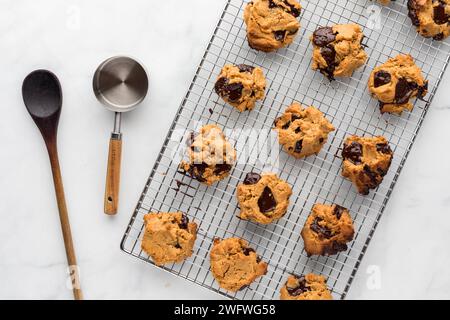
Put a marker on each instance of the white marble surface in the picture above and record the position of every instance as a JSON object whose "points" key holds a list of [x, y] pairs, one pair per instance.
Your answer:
{"points": [[410, 247]]}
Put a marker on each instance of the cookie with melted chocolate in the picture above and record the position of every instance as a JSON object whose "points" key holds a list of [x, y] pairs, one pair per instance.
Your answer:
{"points": [[271, 24], [431, 17], [168, 237], [338, 51], [302, 131], [211, 156], [234, 264], [241, 85], [327, 230], [308, 287], [366, 160], [396, 82], [263, 198]]}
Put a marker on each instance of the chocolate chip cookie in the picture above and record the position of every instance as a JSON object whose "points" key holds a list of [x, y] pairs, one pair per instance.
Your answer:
{"points": [[337, 50], [168, 237], [396, 82], [366, 161], [309, 287], [234, 264], [241, 86], [211, 156], [263, 198], [327, 230], [302, 132], [271, 24], [431, 17]]}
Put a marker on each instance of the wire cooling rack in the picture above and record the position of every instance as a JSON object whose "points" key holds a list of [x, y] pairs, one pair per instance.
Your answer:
{"points": [[345, 102]]}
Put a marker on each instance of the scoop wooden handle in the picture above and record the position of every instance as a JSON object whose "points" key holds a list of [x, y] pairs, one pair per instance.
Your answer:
{"points": [[113, 175]]}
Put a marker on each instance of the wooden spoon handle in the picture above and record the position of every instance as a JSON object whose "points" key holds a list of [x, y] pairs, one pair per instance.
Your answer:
{"points": [[113, 174], [65, 224]]}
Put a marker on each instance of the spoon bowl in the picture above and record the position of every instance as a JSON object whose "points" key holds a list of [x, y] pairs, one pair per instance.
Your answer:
{"points": [[42, 96], [42, 93]]}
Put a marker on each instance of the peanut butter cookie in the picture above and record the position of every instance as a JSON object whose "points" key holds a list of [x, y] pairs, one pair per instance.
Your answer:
{"points": [[234, 264], [396, 82], [309, 287], [431, 17], [211, 156], [337, 50], [241, 86], [263, 198], [327, 230], [302, 132], [271, 24], [168, 237], [366, 161]]}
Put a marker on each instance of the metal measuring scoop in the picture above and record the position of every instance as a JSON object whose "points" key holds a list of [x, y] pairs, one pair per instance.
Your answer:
{"points": [[120, 84]]}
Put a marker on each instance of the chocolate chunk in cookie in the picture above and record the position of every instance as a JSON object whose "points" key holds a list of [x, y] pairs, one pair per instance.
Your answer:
{"points": [[302, 132], [252, 178], [241, 86], [234, 264], [245, 68], [396, 82], [232, 92], [323, 36], [266, 201], [211, 156], [352, 152], [309, 287], [288, 6], [271, 24], [381, 78], [327, 230], [168, 237], [337, 50], [366, 161], [263, 198]]}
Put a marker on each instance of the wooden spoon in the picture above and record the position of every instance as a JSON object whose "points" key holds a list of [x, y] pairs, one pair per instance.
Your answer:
{"points": [[42, 96]]}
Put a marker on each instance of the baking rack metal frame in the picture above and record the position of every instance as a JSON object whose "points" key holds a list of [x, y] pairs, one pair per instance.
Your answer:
{"points": [[345, 102]]}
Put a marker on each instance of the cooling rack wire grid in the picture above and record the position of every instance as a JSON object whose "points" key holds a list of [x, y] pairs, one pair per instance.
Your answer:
{"points": [[345, 102]]}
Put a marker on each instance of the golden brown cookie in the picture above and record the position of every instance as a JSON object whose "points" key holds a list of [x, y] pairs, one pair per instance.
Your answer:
{"points": [[431, 17], [263, 198], [271, 24], [384, 2], [168, 237], [366, 161], [302, 132], [309, 287], [211, 156], [337, 50], [327, 230], [396, 82], [234, 264], [241, 86]]}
